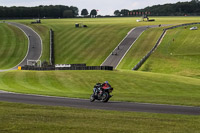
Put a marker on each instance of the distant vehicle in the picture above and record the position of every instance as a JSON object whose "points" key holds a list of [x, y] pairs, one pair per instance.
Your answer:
{"points": [[193, 28], [38, 21], [138, 20]]}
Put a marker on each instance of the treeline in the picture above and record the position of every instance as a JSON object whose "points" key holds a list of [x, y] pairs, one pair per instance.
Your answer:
{"points": [[191, 8], [57, 11]]}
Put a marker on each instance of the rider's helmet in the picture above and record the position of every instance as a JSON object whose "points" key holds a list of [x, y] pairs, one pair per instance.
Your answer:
{"points": [[106, 82]]}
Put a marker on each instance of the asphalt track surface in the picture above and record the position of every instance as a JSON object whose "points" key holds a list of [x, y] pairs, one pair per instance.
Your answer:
{"points": [[34, 44], [81, 103], [120, 51]]}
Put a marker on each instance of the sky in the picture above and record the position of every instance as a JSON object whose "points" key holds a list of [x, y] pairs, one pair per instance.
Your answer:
{"points": [[104, 7]]}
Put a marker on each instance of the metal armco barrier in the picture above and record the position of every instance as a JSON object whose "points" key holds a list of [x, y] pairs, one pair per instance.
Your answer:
{"points": [[72, 67], [142, 61], [51, 60], [37, 68], [87, 68]]}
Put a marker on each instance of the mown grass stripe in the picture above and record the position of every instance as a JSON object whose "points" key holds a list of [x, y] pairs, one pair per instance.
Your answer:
{"points": [[13, 46], [9, 79], [3, 41], [71, 45], [8, 48], [73, 49], [48, 79]]}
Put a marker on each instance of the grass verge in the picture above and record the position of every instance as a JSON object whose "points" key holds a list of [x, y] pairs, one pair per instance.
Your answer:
{"points": [[22, 118], [179, 53], [13, 46]]}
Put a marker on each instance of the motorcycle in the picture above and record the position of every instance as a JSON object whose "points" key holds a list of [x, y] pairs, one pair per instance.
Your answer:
{"points": [[101, 94]]}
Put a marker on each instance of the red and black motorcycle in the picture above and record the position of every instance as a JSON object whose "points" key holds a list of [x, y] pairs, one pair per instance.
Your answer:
{"points": [[101, 92]]}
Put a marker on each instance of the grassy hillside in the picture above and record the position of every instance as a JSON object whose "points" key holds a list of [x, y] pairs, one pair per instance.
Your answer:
{"points": [[179, 53], [44, 119], [128, 85], [93, 44], [82, 45], [13, 46]]}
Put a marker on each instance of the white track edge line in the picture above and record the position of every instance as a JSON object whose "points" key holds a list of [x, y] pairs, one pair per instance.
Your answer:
{"points": [[117, 46], [29, 41], [27, 50], [40, 41], [128, 50]]}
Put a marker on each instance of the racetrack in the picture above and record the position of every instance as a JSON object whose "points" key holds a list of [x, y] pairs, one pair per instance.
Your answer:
{"points": [[121, 50], [81, 103], [34, 46]]}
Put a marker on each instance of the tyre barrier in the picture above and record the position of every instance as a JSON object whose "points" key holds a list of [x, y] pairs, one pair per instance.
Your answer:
{"points": [[70, 67], [142, 61]]}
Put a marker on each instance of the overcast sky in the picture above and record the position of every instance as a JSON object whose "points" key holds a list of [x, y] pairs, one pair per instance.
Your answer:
{"points": [[105, 7]]}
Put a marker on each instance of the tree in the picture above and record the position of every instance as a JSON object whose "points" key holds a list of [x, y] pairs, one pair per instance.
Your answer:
{"points": [[84, 12], [117, 13], [124, 12], [93, 13], [74, 10], [195, 1], [68, 14]]}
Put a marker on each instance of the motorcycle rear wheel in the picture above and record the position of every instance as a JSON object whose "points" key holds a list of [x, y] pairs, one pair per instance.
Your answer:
{"points": [[92, 99], [105, 97]]}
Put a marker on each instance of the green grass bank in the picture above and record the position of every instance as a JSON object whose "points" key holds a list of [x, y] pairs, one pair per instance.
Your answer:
{"points": [[178, 53], [13, 46], [91, 45], [22, 118]]}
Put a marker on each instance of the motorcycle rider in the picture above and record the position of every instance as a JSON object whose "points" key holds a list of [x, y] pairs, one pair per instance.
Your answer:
{"points": [[105, 85], [97, 88]]}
